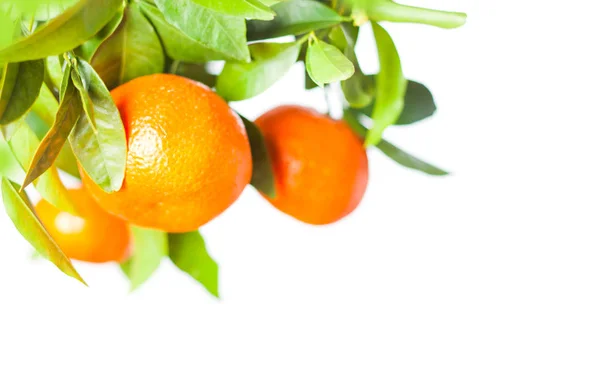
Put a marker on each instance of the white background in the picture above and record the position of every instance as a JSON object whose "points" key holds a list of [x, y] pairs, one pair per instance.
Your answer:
{"points": [[494, 268]]}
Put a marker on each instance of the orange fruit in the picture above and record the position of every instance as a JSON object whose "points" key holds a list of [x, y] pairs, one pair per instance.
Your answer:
{"points": [[188, 155], [94, 236], [320, 166]]}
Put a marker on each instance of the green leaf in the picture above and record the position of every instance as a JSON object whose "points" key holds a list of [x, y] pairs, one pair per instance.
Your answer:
{"points": [[19, 210], [9, 165], [98, 140], [178, 45], [20, 87], [188, 253], [418, 104], [63, 33], [262, 168], [47, 152], [149, 248], [250, 9], [87, 49], [359, 89], [399, 156], [390, 86], [219, 32], [133, 50], [195, 71], [294, 17], [270, 61], [326, 64], [40, 119], [54, 71], [24, 144], [387, 10]]}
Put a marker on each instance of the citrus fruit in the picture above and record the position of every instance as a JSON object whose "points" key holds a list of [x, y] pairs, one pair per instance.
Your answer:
{"points": [[188, 155], [320, 166], [93, 236]]}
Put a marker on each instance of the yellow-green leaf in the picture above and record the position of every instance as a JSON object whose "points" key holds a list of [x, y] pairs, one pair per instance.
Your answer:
{"points": [[149, 248], [63, 33], [188, 253], [327, 64], [390, 86], [19, 210]]}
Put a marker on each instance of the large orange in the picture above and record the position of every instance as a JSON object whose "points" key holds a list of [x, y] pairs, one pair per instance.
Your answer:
{"points": [[188, 155], [320, 165], [94, 236]]}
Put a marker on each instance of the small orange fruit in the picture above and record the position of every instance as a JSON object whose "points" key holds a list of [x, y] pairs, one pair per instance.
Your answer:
{"points": [[94, 236], [188, 155], [320, 166]]}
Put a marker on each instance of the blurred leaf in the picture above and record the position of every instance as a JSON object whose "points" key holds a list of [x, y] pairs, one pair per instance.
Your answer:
{"points": [[19, 210], [359, 89], [48, 9], [219, 32], [294, 17], [99, 141], [399, 156], [63, 33], [270, 61], [250, 9], [308, 81], [23, 145], [68, 113], [262, 168], [390, 85], [388, 10], [9, 165], [195, 71], [418, 104], [20, 87], [178, 45], [54, 71], [326, 64], [188, 253], [149, 248], [87, 49], [133, 50]]}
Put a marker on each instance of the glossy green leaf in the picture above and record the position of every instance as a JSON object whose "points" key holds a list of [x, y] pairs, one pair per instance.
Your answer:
{"points": [[250, 9], [133, 50], [219, 32], [63, 33], [263, 178], [177, 44], [326, 64], [390, 85], [24, 144], [19, 210], [87, 49], [270, 61], [149, 248], [388, 10], [418, 104], [99, 141], [20, 87], [68, 114], [294, 17], [188, 253], [399, 156], [359, 90]]}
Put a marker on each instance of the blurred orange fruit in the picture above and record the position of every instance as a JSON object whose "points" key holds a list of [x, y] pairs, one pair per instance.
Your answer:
{"points": [[94, 236], [320, 165], [188, 155]]}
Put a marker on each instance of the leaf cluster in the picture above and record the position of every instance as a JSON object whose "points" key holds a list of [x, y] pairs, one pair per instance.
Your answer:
{"points": [[60, 58]]}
